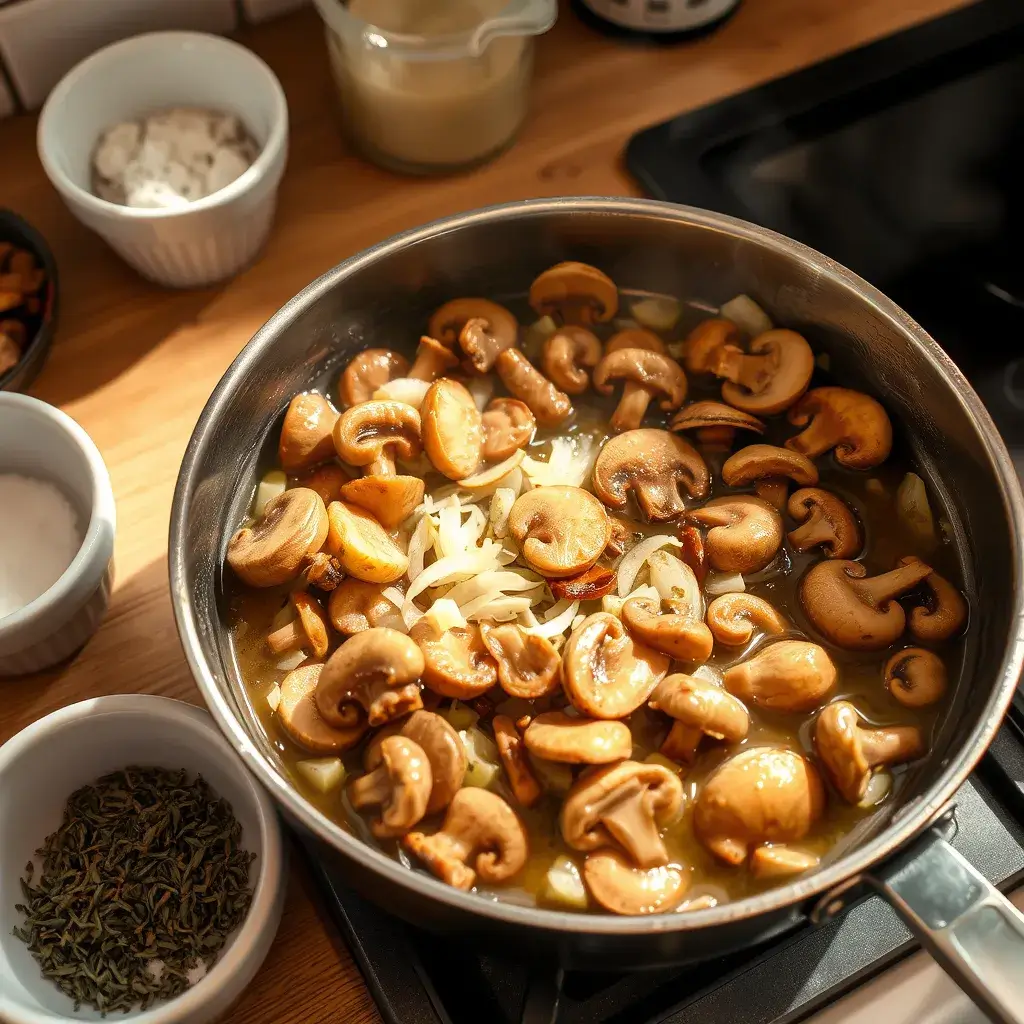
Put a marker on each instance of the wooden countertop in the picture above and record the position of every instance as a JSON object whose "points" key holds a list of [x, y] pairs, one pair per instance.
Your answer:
{"points": [[134, 364]]}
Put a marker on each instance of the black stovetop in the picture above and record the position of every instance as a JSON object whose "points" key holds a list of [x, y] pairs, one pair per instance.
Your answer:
{"points": [[905, 161]]}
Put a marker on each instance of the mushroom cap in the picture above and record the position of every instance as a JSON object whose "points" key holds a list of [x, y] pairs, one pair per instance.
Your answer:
{"points": [[556, 736], [300, 718], [658, 374], [826, 521], [272, 550], [369, 370], [624, 889], [678, 636], [702, 705], [635, 337], [494, 329], [483, 340], [512, 751], [656, 466], [761, 795], [567, 356], [528, 665], [550, 406], [377, 430], [578, 289], [401, 786], [788, 675], [915, 677], [379, 670], [560, 530], [745, 532], [306, 434], [362, 545], [766, 462], [623, 805], [314, 623], [456, 662], [944, 615], [508, 425], [851, 423], [704, 341], [605, 672], [389, 499], [732, 618], [706, 415], [784, 365], [355, 606]]}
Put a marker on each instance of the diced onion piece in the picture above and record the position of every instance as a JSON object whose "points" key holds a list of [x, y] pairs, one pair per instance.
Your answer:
{"points": [[708, 673], [563, 885], [394, 595], [492, 476], [444, 614], [665, 762], [747, 315], [633, 560], [501, 609], [483, 765], [578, 621], [322, 773], [450, 570], [494, 581], [570, 463], [677, 349], [913, 509], [284, 615], [879, 787], [659, 312], [460, 716], [535, 335], [274, 697], [674, 580], [724, 583], [554, 776], [292, 660], [501, 504], [270, 486], [403, 389], [625, 323], [564, 613], [482, 390]]}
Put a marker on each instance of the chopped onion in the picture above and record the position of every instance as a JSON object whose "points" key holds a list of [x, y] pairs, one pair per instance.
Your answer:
{"points": [[724, 583], [493, 581], [571, 462], [491, 476], [559, 618], [577, 622], [677, 349], [292, 660], [563, 885], [879, 787], [659, 312], [274, 697], [284, 615], [674, 580], [322, 773], [482, 767], [270, 486], [394, 595], [535, 335], [747, 315], [501, 504], [422, 538], [482, 390], [496, 607], [633, 560], [452, 569], [444, 614], [406, 390], [459, 716], [913, 509]]}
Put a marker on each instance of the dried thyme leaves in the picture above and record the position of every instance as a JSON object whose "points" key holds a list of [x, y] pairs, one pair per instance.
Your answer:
{"points": [[143, 882]]}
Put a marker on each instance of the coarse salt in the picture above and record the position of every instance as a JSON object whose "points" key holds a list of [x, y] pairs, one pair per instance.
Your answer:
{"points": [[39, 538]]}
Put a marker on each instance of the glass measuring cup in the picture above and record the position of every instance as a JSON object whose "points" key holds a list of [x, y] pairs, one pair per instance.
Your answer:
{"points": [[427, 86]]}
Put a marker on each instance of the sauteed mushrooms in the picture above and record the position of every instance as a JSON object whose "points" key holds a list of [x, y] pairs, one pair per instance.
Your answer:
{"points": [[624, 889], [481, 327], [646, 376], [368, 371], [944, 612], [307, 433], [732, 618], [560, 530], [575, 292], [362, 545], [916, 677], [453, 433], [432, 359], [556, 736], [308, 631], [769, 469], [302, 722], [528, 665], [788, 675], [771, 377], [715, 424], [400, 786], [704, 342], [669, 632], [851, 424], [455, 661], [355, 606], [700, 709], [568, 356], [508, 425], [744, 535], [549, 406], [525, 787], [826, 522]]}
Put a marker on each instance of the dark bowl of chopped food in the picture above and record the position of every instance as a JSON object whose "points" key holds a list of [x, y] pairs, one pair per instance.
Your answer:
{"points": [[28, 301]]}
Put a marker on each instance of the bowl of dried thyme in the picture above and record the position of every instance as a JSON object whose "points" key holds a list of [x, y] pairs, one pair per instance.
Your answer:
{"points": [[141, 866]]}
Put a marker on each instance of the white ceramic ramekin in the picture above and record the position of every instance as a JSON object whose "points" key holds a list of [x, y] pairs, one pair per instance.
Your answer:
{"points": [[45, 763], [39, 440], [212, 238]]}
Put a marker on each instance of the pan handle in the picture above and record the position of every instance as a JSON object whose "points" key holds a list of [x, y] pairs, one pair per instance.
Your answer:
{"points": [[972, 930]]}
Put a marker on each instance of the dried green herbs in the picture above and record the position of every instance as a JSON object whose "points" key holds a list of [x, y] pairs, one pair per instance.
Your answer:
{"points": [[143, 882]]}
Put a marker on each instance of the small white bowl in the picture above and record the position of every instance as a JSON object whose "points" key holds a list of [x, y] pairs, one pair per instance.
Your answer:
{"points": [[45, 763], [212, 238], [38, 440]]}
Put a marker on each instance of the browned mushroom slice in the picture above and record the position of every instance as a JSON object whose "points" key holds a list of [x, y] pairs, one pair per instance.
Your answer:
{"points": [[479, 828], [308, 631], [327, 481], [769, 468], [589, 585], [525, 787], [323, 571], [635, 337], [763, 795], [456, 662], [674, 634], [704, 341], [693, 552], [851, 753], [568, 356], [745, 532], [826, 521], [528, 665], [646, 376], [700, 708], [300, 718], [508, 425], [362, 545], [715, 423], [916, 677], [575, 292], [560, 530], [273, 550], [852, 425], [453, 433], [355, 606], [771, 377], [400, 786], [556, 736], [944, 612], [432, 359], [789, 675], [368, 371], [605, 673], [732, 618], [550, 406], [854, 611], [624, 889], [656, 466], [389, 499], [379, 670], [491, 328], [623, 805], [307, 433]]}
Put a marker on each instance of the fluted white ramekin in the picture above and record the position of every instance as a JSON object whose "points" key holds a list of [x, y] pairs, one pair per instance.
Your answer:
{"points": [[39, 440], [212, 238]]}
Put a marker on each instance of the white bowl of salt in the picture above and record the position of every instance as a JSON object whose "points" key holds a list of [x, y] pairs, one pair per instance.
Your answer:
{"points": [[57, 521]]}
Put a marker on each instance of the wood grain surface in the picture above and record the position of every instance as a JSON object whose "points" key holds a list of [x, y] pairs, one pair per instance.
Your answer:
{"points": [[134, 364]]}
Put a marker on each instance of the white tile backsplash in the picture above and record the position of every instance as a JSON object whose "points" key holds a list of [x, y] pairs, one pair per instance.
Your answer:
{"points": [[264, 10], [40, 40]]}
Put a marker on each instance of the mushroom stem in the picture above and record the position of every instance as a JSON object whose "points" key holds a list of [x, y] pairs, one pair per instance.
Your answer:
{"points": [[632, 407], [383, 465], [623, 815], [892, 745], [879, 590], [716, 439], [751, 372], [816, 530], [290, 637], [371, 789], [682, 742], [432, 359], [774, 490]]}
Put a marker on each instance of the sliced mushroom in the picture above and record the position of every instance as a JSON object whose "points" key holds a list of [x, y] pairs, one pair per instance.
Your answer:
{"points": [[780, 862], [525, 787], [432, 360], [704, 341], [769, 468], [656, 466], [481, 327], [379, 670], [369, 370], [624, 889], [589, 585], [453, 433], [854, 611], [635, 337], [605, 673], [732, 619], [300, 718], [716, 424], [307, 433], [916, 677], [550, 406], [400, 786], [362, 545], [771, 377], [479, 827], [693, 552], [327, 481], [700, 708], [508, 425], [826, 521], [850, 752], [623, 805], [943, 614], [355, 606], [528, 665], [556, 736], [789, 675], [323, 571], [762, 795], [670, 632], [645, 376], [389, 499], [456, 662], [567, 357], [851, 423], [560, 530], [274, 549], [576, 292], [745, 532], [308, 631]]}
